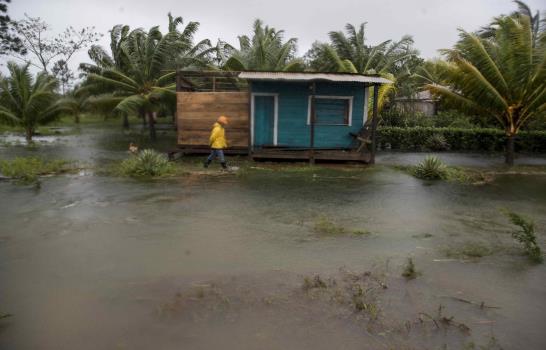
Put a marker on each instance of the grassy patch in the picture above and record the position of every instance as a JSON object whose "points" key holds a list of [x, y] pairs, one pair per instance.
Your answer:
{"points": [[313, 283], [432, 168], [25, 170], [325, 226], [526, 235], [146, 164], [472, 250]]}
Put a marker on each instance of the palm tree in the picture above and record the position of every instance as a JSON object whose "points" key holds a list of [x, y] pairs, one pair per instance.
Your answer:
{"points": [[28, 102], [265, 51], [349, 53], [145, 82], [182, 53], [537, 23], [502, 77], [102, 59], [190, 55]]}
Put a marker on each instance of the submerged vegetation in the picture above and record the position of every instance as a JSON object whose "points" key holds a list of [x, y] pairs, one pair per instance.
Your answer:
{"points": [[147, 163], [325, 226], [432, 168], [410, 272], [469, 250], [26, 170], [526, 235]]}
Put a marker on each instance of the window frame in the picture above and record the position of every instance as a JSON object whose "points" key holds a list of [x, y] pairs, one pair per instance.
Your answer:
{"points": [[334, 97]]}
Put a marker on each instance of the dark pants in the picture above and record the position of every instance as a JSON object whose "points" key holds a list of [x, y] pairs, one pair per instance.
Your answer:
{"points": [[216, 153]]}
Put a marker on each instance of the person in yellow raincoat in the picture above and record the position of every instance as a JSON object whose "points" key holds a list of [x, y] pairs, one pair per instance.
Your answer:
{"points": [[218, 142]]}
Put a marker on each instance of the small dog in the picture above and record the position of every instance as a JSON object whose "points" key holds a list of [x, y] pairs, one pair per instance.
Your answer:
{"points": [[133, 149]]}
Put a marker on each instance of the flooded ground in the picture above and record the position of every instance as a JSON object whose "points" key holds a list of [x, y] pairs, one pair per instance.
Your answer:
{"points": [[237, 261]]}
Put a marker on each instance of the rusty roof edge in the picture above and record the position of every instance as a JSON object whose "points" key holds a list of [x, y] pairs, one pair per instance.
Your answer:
{"points": [[315, 76]]}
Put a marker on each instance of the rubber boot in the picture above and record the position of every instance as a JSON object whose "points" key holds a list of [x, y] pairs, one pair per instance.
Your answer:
{"points": [[206, 163], [224, 165]]}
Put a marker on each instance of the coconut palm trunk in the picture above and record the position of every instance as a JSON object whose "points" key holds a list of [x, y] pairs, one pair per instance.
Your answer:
{"points": [[28, 134], [151, 125], [510, 150], [125, 121]]}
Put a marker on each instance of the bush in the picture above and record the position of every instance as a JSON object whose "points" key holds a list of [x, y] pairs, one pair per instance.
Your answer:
{"points": [[526, 236], [431, 168], [26, 170], [394, 117], [437, 142], [147, 163], [415, 139], [454, 119]]}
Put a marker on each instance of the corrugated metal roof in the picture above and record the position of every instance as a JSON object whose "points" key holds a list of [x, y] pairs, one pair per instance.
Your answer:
{"points": [[335, 77]]}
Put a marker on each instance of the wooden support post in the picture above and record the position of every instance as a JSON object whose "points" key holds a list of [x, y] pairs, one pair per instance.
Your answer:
{"points": [[312, 124], [250, 131], [213, 83], [374, 121]]}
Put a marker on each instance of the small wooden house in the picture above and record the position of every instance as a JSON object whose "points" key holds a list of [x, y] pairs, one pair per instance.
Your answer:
{"points": [[280, 115]]}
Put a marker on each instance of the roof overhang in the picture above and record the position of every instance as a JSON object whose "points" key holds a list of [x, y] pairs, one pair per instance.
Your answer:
{"points": [[303, 77]]}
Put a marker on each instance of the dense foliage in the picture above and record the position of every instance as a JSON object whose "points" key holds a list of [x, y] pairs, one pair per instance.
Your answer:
{"points": [[458, 139], [9, 42]]}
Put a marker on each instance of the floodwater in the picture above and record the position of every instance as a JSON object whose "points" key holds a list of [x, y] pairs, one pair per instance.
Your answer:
{"points": [[230, 262]]}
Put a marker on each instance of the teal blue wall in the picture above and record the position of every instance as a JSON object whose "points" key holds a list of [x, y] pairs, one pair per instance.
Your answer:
{"points": [[293, 130]]}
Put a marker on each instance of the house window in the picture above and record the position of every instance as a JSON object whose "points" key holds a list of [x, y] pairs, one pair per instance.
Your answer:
{"points": [[331, 110]]}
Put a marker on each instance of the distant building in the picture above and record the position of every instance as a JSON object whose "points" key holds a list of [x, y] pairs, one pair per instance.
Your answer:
{"points": [[422, 102]]}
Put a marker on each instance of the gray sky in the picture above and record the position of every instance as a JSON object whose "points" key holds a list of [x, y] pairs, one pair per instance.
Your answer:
{"points": [[432, 23]]}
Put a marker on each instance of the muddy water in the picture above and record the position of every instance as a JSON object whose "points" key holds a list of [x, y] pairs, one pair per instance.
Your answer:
{"points": [[94, 262]]}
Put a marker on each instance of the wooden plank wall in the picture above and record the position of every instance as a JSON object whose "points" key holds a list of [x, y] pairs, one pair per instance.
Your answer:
{"points": [[198, 111]]}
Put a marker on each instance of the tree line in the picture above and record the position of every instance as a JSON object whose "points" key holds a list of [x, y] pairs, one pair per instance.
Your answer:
{"points": [[497, 72]]}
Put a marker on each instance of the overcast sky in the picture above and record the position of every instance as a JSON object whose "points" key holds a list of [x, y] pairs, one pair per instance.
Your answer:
{"points": [[432, 23]]}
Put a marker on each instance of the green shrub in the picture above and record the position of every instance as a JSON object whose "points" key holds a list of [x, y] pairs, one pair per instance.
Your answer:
{"points": [[454, 119], [147, 163], [437, 142], [415, 139], [526, 235], [431, 168], [397, 118], [26, 170]]}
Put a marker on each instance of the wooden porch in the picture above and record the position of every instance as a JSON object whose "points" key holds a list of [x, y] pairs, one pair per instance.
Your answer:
{"points": [[311, 155]]}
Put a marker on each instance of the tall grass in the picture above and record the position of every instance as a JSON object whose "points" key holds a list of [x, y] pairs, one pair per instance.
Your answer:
{"points": [[525, 235], [26, 170]]}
